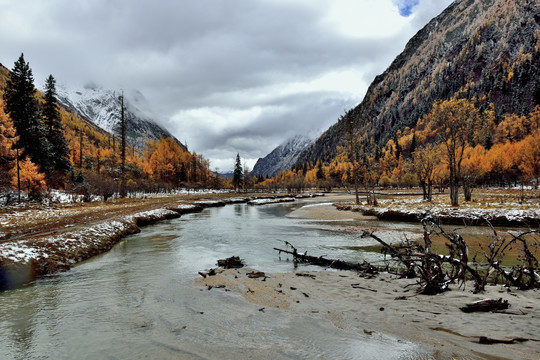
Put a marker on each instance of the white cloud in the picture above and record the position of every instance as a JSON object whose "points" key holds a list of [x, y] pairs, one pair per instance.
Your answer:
{"points": [[229, 76], [373, 19]]}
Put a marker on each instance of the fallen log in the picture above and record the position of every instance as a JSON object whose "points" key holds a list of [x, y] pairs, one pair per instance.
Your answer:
{"points": [[234, 262], [357, 286], [489, 341], [332, 263], [210, 272], [256, 274], [486, 305]]}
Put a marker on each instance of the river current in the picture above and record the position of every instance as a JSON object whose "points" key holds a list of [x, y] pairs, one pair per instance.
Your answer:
{"points": [[139, 301]]}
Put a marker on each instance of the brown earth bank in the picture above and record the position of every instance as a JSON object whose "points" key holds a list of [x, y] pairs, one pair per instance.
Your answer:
{"points": [[36, 240]]}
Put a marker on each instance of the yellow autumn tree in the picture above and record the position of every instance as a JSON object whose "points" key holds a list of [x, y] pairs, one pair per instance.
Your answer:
{"points": [[529, 158], [424, 163], [165, 161], [7, 154], [474, 168], [452, 122], [31, 180]]}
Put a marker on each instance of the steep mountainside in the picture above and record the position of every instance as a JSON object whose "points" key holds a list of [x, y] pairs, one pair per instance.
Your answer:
{"points": [[283, 157], [102, 107], [487, 51], [76, 122]]}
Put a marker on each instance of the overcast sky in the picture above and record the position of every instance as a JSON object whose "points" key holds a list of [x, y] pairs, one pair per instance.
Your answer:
{"points": [[225, 76]]}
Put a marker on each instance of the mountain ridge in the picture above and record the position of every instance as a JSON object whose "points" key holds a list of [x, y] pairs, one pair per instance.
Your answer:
{"points": [[101, 107], [282, 157], [482, 50]]}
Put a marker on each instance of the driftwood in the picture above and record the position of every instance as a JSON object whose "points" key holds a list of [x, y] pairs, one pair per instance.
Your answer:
{"points": [[234, 262], [486, 305], [437, 271], [332, 263], [489, 341], [357, 286], [484, 339], [306, 275], [210, 272], [256, 274]]}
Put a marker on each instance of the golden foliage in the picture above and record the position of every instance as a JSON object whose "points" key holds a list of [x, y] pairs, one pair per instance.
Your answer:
{"points": [[32, 181]]}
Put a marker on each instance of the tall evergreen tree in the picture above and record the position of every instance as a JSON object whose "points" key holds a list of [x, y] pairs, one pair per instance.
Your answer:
{"points": [[238, 173], [54, 130], [413, 145], [22, 107], [123, 147]]}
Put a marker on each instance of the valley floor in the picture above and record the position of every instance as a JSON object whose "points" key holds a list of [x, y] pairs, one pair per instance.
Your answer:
{"points": [[380, 305], [37, 239]]}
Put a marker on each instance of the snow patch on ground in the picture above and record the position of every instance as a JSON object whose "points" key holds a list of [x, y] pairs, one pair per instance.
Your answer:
{"points": [[25, 250], [151, 214], [473, 211], [270, 201]]}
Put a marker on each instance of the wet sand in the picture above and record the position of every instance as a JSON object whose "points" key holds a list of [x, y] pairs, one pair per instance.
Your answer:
{"points": [[386, 304]]}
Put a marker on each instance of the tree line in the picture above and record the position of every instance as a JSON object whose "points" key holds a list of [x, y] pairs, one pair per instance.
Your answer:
{"points": [[457, 145], [44, 146]]}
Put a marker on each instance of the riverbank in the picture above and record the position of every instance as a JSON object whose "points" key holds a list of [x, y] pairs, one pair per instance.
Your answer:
{"points": [[38, 240], [499, 207], [385, 304], [341, 300]]}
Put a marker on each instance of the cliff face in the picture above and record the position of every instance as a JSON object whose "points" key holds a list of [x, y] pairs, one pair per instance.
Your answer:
{"points": [[475, 49], [283, 157]]}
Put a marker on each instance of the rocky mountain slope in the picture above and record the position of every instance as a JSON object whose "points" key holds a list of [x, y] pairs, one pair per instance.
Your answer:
{"points": [[487, 51], [283, 157], [102, 107]]}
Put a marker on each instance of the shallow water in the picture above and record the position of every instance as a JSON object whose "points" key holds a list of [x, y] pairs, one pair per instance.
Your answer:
{"points": [[138, 301]]}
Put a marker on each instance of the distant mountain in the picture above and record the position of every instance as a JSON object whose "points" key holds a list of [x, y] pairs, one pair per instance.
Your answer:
{"points": [[102, 107], [487, 51], [283, 157], [226, 175]]}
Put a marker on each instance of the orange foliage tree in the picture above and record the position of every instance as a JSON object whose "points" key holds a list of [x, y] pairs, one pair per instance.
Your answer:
{"points": [[529, 157], [474, 168], [7, 154], [32, 181], [452, 123], [424, 163], [166, 162]]}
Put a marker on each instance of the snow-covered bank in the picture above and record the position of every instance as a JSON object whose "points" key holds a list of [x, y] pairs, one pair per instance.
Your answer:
{"points": [[270, 201], [27, 256], [24, 260], [475, 214]]}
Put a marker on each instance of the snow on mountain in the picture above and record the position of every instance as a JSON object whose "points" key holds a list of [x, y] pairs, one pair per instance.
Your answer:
{"points": [[102, 107], [283, 157]]}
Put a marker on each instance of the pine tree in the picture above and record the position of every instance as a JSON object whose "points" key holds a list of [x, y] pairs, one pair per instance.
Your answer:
{"points": [[22, 107], [123, 147], [238, 173], [413, 146], [59, 154]]}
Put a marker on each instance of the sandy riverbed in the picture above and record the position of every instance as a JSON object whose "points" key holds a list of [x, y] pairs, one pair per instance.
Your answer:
{"points": [[385, 304]]}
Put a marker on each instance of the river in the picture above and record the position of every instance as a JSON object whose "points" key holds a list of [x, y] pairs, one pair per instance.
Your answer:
{"points": [[139, 301]]}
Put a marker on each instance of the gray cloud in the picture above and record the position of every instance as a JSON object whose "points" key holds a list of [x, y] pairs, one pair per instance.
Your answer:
{"points": [[227, 76]]}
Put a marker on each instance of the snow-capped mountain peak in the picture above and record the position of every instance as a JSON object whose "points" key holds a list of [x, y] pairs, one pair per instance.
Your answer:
{"points": [[102, 107], [282, 157]]}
